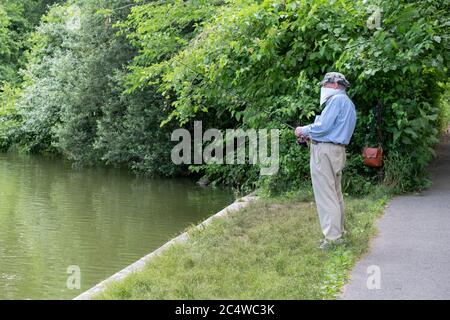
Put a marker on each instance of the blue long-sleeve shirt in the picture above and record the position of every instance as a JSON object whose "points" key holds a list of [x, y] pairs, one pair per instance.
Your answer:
{"points": [[337, 122]]}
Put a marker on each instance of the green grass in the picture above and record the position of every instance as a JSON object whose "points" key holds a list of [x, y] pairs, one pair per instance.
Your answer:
{"points": [[265, 251]]}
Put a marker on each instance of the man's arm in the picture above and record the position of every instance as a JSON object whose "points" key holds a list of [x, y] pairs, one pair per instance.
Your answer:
{"points": [[325, 124]]}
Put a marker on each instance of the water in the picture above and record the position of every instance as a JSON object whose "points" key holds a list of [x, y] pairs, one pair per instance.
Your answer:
{"points": [[101, 220]]}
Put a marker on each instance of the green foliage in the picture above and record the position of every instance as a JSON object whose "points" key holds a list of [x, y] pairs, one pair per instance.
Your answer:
{"points": [[13, 26], [294, 167], [8, 97], [9, 119], [128, 133], [358, 179], [401, 173], [401, 65], [160, 29], [92, 54], [73, 101], [257, 63], [9, 123], [444, 115], [17, 19], [106, 81], [44, 91]]}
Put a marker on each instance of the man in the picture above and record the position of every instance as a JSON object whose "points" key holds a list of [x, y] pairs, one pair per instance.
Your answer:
{"points": [[329, 135]]}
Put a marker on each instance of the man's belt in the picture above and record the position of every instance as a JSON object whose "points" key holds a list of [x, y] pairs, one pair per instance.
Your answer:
{"points": [[338, 144]]}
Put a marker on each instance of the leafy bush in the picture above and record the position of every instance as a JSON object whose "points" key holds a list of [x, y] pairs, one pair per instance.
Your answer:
{"points": [[17, 20], [258, 63], [444, 115], [97, 91], [358, 179], [73, 99], [402, 173], [9, 118]]}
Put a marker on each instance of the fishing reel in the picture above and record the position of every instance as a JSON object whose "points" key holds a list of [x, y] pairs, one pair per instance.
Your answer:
{"points": [[302, 141]]}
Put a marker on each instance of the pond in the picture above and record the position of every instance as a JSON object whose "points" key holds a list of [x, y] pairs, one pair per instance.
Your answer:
{"points": [[55, 219]]}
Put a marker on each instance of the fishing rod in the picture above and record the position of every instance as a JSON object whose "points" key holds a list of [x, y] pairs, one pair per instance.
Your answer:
{"points": [[302, 141], [197, 72], [239, 98]]}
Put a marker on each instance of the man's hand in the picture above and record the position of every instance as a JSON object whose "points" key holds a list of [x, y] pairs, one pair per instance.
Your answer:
{"points": [[301, 138], [298, 132]]}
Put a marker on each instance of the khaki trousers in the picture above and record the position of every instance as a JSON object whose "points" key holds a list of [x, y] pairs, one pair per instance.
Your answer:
{"points": [[327, 163]]}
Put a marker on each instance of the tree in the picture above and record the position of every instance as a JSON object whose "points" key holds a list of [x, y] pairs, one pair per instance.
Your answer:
{"points": [[73, 101], [259, 61]]}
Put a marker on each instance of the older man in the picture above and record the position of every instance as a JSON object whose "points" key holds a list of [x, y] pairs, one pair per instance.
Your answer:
{"points": [[329, 135]]}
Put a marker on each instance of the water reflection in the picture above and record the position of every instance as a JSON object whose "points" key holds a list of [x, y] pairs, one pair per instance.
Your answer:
{"points": [[53, 216]]}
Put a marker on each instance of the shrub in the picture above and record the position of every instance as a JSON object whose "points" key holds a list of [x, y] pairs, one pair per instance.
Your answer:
{"points": [[258, 63]]}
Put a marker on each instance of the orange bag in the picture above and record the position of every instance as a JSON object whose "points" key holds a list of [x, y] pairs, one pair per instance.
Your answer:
{"points": [[373, 157]]}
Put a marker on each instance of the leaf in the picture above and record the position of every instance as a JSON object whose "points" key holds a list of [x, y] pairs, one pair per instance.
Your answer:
{"points": [[396, 135], [411, 132]]}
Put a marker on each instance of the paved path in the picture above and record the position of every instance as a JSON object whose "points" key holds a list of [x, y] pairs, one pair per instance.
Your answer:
{"points": [[412, 249]]}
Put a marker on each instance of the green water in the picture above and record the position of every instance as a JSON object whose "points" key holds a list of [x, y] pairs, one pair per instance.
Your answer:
{"points": [[101, 220]]}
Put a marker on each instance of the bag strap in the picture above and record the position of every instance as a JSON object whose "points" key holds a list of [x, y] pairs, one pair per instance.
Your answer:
{"points": [[378, 115]]}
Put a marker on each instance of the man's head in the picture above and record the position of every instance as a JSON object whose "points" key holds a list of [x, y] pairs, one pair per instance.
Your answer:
{"points": [[335, 80]]}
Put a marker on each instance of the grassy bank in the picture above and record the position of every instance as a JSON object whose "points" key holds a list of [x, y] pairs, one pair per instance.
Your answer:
{"points": [[266, 251]]}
